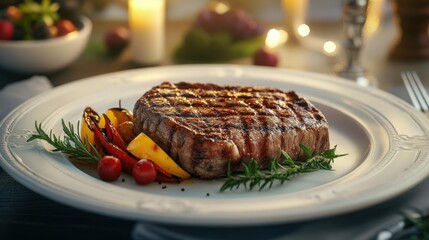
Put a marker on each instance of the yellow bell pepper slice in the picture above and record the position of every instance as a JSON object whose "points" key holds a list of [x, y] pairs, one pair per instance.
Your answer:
{"points": [[120, 115], [111, 117], [85, 131], [143, 146]]}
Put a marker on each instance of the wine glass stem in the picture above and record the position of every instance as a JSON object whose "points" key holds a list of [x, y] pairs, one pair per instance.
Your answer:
{"points": [[354, 17]]}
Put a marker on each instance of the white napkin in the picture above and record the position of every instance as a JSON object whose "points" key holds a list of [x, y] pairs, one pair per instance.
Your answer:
{"points": [[16, 93]]}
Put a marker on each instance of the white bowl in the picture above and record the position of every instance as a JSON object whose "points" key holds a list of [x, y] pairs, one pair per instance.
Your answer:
{"points": [[44, 56]]}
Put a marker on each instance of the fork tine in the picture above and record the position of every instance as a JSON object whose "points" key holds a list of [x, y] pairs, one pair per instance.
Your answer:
{"points": [[410, 90], [424, 94]]}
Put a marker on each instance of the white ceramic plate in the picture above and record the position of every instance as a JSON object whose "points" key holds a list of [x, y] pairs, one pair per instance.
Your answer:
{"points": [[385, 138]]}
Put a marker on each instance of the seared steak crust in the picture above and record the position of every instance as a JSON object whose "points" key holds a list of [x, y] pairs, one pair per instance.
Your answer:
{"points": [[203, 126]]}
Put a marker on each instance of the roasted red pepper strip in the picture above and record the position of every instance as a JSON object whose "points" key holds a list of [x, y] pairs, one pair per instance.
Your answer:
{"points": [[113, 134], [162, 178], [162, 171], [127, 161]]}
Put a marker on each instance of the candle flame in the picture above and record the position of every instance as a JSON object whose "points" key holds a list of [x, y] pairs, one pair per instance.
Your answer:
{"points": [[276, 37]]}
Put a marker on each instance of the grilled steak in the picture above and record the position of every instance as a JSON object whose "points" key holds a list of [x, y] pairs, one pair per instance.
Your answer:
{"points": [[203, 126]]}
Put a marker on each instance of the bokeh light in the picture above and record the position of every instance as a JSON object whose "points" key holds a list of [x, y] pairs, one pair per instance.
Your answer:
{"points": [[276, 37], [303, 30], [329, 47]]}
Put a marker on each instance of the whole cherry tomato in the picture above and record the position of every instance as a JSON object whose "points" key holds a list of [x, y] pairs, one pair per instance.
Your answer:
{"points": [[6, 29], [109, 168], [64, 27], [144, 172], [117, 39], [264, 57]]}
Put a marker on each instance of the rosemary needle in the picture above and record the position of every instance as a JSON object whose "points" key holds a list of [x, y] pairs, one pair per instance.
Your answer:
{"points": [[280, 170], [71, 144]]}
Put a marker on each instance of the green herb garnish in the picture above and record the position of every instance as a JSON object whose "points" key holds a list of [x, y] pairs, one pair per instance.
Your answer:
{"points": [[71, 144], [418, 227], [35, 13], [279, 170]]}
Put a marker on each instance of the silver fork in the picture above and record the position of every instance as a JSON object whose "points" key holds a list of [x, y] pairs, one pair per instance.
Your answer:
{"points": [[416, 90]]}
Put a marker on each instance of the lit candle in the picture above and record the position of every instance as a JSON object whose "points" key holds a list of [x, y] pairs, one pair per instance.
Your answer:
{"points": [[295, 11], [146, 21]]}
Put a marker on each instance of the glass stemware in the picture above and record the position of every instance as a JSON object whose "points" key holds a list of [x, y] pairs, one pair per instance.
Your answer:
{"points": [[337, 32], [354, 18]]}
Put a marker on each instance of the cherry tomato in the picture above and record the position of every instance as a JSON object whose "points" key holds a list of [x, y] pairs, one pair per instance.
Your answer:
{"points": [[13, 13], [265, 57], [6, 29], [64, 27], [117, 39], [109, 168], [144, 172]]}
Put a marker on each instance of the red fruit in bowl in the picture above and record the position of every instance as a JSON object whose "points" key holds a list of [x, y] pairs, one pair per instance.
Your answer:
{"points": [[116, 39], [64, 27], [13, 13], [263, 57], [6, 30]]}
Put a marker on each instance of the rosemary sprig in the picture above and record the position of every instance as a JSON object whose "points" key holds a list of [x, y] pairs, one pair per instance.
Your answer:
{"points": [[419, 228], [71, 144], [279, 170]]}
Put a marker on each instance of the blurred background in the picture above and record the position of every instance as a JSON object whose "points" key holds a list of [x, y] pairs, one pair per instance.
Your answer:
{"points": [[305, 35], [186, 9]]}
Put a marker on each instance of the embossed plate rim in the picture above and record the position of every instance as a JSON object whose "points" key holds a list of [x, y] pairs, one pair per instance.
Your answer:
{"points": [[339, 195]]}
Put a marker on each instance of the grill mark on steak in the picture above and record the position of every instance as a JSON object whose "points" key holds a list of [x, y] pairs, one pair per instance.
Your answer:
{"points": [[202, 126]]}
